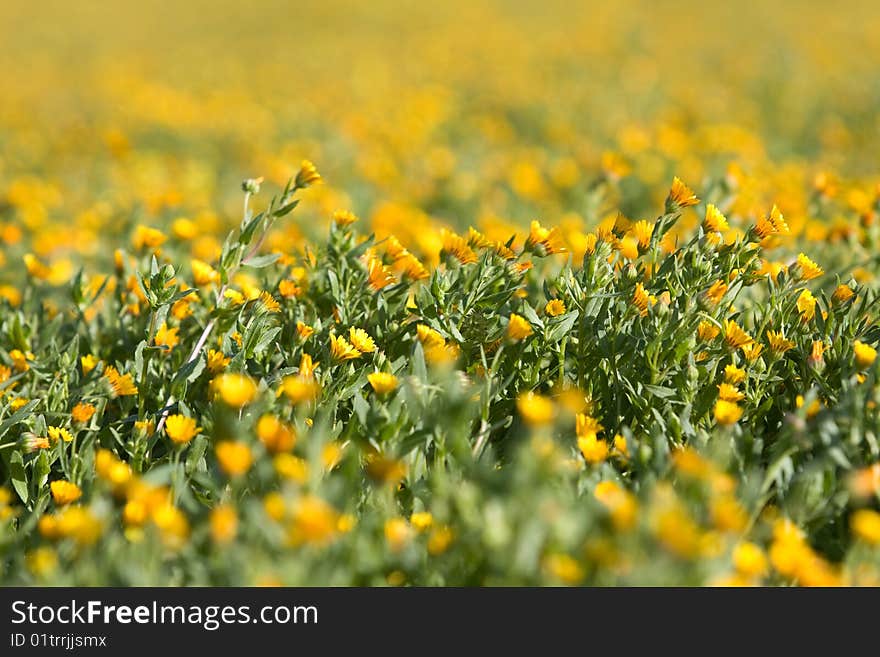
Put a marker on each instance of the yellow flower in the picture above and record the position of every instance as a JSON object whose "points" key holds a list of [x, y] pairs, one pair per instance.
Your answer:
{"points": [[181, 429], [122, 384], [586, 425], [361, 340], [274, 506], [166, 337], [235, 458], [341, 349], [236, 297], [36, 268], [17, 403], [88, 363], [727, 412], [379, 275], [308, 175], [749, 559], [307, 366], [421, 520], [224, 524], [628, 247], [20, 360], [843, 293], [289, 289], [42, 561], [300, 388], [680, 196], [60, 433], [866, 482], [865, 524], [314, 521], [641, 299], [180, 309], [715, 221], [412, 267], [291, 467], [808, 269], [564, 568], [382, 382], [734, 336], [621, 504], [184, 229], [728, 514], [344, 218], [707, 331], [806, 305], [429, 337], [235, 389], [729, 393], [397, 533], [456, 246], [11, 294], [268, 302], [620, 446], [535, 409], [734, 374], [216, 361], [203, 273], [146, 237], [677, 532], [518, 327], [79, 524], [752, 351], [172, 525], [134, 513], [304, 331], [544, 241], [385, 469], [865, 354], [772, 269], [779, 343], [642, 231], [277, 436], [593, 449], [82, 412], [716, 292], [65, 492], [614, 165], [772, 225], [555, 307]]}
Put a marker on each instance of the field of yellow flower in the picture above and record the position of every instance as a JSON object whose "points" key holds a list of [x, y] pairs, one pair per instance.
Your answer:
{"points": [[472, 294]]}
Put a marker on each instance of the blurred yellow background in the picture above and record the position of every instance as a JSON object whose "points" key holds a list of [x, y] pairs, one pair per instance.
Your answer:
{"points": [[484, 113]]}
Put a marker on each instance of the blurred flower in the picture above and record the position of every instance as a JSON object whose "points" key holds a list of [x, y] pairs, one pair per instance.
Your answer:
{"points": [[181, 429], [234, 389], [518, 328], [235, 458], [65, 492]]}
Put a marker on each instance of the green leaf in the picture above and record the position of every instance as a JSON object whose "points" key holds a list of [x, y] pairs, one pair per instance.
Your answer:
{"points": [[659, 391], [361, 408], [563, 327], [42, 467], [261, 261], [196, 451], [19, 476], [18, 416]]}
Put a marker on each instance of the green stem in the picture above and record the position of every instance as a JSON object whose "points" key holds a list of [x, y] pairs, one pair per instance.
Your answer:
{"points": [[142, 384]]}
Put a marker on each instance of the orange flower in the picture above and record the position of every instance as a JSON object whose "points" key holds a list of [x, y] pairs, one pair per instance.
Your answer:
{"points": [[680, 196]]}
